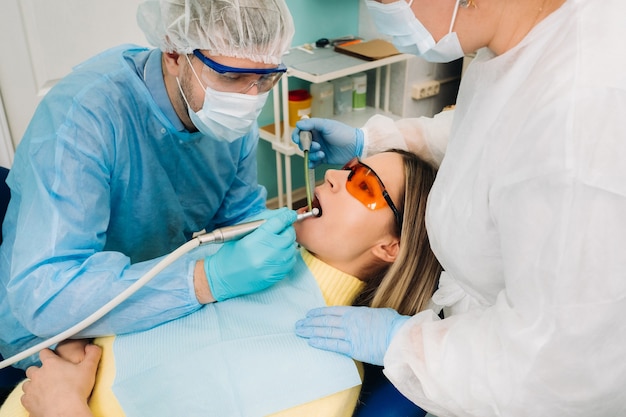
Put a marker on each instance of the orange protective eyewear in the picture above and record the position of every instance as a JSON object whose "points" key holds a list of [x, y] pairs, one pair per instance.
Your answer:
{"points": [[366, 186]]}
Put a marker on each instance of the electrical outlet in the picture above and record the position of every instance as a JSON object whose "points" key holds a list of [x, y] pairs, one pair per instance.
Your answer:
{"points": [[425, 89]]}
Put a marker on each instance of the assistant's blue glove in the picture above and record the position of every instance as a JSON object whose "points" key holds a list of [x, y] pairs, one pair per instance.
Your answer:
{"points": [[333, 141], [256, 261], [363, 333]]}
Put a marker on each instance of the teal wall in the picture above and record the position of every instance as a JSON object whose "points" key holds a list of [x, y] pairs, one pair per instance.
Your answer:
{"points": [[313, 19]]}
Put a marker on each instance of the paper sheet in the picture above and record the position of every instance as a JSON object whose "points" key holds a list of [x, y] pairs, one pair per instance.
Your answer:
{"points": [[234, 358]]}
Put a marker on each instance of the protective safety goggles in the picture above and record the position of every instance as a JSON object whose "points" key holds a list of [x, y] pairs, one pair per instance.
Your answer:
{"points": [[238, 80], [366, 186]]}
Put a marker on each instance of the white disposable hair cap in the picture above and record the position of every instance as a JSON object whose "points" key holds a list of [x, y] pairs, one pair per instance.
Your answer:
{"points": [[259, 30]]}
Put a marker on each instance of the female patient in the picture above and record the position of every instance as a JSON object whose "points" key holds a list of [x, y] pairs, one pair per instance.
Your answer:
{"points": [[369, 247]]}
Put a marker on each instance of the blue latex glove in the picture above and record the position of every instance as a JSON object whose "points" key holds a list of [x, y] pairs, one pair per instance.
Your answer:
{"points": [[256, 261], [363, 333], [333, 141]]}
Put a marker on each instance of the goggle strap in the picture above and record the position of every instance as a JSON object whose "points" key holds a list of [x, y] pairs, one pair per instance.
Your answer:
{"points": [[392, 207], [216, 66]]}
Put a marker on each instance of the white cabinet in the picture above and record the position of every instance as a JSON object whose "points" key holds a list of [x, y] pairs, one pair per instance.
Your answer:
{"points": [[319, 66]]}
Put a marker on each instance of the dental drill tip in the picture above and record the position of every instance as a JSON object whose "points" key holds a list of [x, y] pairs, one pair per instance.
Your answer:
{"points": [[316, 212], [307, 214], [304, 215]]}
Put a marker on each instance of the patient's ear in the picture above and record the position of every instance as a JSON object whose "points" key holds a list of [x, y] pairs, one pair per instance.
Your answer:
{"points": [[387, 250]]}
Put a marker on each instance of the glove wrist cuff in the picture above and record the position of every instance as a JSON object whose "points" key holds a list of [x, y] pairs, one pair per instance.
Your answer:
{"points": [[209, 271], [397, 323], [359, 142]]}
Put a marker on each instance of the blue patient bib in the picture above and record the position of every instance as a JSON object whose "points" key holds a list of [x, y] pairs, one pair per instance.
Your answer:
{"points": [[238, 357]]}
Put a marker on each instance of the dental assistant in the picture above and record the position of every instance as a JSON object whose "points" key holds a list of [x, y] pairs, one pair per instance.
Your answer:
{"points": [[130, 155], [527, 215]]}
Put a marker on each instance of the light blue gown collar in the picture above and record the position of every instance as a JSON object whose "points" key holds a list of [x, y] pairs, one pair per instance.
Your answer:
{"points": [[153, 77]]}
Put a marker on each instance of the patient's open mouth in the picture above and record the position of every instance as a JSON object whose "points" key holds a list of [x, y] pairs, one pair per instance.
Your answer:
{"points": [[316, 204]]}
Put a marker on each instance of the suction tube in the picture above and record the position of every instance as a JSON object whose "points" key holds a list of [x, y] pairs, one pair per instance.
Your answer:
{"points": [[98, 314], [221, 235]]}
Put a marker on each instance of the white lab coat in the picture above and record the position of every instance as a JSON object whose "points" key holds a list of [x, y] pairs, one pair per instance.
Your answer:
{"points": [[528, 218]]}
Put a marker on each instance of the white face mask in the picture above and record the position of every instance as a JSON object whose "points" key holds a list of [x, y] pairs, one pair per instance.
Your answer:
{"points": [[225, 116], [410, 36]]}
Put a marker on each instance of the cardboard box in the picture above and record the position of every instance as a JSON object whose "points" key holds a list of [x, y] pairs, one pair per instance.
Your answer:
{"points": [[369, 50]]}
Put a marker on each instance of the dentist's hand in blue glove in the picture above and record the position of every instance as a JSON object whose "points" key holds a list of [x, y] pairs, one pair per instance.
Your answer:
{"points": [[256, 261], [363, 333], [333, 141]]}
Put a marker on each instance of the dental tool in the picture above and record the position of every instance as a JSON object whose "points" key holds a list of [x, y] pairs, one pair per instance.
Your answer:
{"points": [[315, 212], [228, 233], [221, 235], [306, 138]]}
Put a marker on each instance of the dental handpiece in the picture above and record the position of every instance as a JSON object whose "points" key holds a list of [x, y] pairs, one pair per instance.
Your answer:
{"points": [[228, 233]]}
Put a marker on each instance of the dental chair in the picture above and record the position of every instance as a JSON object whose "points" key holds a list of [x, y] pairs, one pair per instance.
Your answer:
{"points": [[379, 398], [9, 377]]}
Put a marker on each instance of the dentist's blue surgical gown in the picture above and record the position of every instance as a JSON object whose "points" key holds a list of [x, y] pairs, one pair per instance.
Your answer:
{"points": [[105, 182]]}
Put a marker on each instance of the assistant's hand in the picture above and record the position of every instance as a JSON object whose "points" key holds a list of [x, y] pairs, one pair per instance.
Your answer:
{"points": [[256, 261], [60, 387], [362, 333], [333, 141]]}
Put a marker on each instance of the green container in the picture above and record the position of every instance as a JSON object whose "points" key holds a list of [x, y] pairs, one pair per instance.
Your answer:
{"points": [[359, 91]]}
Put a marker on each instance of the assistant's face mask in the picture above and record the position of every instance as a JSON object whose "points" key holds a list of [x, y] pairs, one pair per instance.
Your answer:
{"points": [[225, 116], [410, 36]]}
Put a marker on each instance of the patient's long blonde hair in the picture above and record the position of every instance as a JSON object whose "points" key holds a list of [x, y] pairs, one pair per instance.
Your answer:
{"points": [[408, 284]]}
